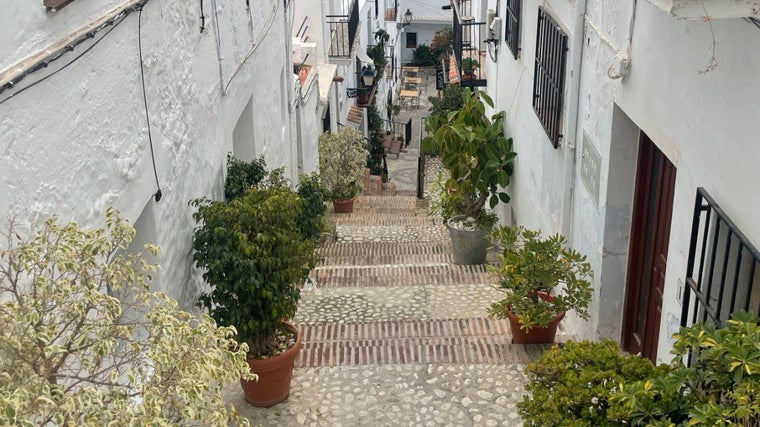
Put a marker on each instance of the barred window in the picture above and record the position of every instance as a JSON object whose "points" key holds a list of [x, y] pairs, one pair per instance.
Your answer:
{"points": [[549, 75], [512, 27]]}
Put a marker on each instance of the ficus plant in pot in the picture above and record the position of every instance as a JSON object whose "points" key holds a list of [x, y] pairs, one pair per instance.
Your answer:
{"points": [[542, 279], [255, 256], [478, 158], [342, 160]]}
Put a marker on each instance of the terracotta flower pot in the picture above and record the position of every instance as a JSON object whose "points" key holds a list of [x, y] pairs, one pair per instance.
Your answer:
{"points": [[536, 334], [344, 206], [275, 373]]}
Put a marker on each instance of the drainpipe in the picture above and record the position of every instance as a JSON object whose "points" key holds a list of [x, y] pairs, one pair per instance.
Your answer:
{"points": [[573, 119]]}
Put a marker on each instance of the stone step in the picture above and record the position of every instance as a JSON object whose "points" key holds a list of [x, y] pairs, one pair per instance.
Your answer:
{"points": [[383, 202], [360, 260], [400, 302], [346, 249], [436, 341], [401, 234], [336, 276], [387, 220]]}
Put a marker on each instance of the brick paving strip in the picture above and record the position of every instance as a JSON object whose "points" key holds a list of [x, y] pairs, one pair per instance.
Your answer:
{"points": [[412, 341]]}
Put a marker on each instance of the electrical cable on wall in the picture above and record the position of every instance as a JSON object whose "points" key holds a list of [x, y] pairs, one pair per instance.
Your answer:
{"points": [[254, 44], [157, 194], [203, 18], [110, 24]]}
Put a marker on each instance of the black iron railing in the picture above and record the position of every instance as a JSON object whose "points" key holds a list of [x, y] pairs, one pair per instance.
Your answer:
{"points": [[512, 26], [469, 43], [723, 269], [549, 75], [343, 31]]}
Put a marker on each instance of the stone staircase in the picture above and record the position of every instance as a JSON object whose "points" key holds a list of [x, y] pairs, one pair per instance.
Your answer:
{"points": [[395, 334]]}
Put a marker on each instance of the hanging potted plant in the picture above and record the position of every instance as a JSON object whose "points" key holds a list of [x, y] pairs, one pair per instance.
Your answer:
{"points": [[479, 159], [342, 160], [542, 278], [254, 256]]}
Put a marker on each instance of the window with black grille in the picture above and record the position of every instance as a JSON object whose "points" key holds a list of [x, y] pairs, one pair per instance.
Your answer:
{"points": [[512, 27], [549, 75], [723, 269], [411, 40]]}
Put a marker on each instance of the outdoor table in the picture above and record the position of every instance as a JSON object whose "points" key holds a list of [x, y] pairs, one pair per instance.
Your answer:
{"points": [[411, 95]]}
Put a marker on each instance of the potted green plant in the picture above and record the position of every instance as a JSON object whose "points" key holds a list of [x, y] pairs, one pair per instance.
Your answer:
{"points": [[468, 67], [478, 158], [342, 160], [255, 256], [542, 278]]}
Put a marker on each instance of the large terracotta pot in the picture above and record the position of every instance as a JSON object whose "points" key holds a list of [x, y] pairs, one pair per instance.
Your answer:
{"points": [[536, 335], [344, 206], [273, 385]]}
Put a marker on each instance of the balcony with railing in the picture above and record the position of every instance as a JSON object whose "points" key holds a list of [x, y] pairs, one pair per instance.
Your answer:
{"points": [[469, 45], [343, 32], [391, 10]]}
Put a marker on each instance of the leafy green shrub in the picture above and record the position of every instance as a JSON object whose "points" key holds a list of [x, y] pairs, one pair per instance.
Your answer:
{"points": [[720, 388], [254, 256], [443, 41], [570, 385], [423, 56], [376, 138], [451, 100], [242, 175], [342, 160], [311, 218], [530, 264], [476, 154]]}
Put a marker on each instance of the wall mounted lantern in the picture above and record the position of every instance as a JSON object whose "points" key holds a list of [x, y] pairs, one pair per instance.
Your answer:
{"points": [[407, 20]]}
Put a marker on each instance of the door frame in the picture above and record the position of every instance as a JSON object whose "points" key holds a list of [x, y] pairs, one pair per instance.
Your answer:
{"points": [[650, 229]]}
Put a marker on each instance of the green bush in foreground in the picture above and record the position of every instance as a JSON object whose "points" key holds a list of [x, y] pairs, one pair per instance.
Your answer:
{"points": [[570, 385]]}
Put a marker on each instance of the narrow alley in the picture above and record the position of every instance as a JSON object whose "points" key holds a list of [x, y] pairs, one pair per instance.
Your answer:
{"points": [[394, 332]]}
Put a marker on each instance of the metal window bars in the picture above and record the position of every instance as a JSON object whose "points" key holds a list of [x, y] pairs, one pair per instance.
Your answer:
{"points": [[723, 268], [512, 26], [549, 75]]}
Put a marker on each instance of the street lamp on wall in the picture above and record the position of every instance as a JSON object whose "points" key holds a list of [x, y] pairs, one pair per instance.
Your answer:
{"points": [[367, 79], [407, 20], [368, 76]]}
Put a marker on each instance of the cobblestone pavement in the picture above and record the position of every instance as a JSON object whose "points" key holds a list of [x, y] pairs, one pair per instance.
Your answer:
{"points": [[393, 332]]}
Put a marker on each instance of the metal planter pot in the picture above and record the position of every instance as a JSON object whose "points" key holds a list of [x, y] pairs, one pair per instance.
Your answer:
{"points": [[470, 246]]}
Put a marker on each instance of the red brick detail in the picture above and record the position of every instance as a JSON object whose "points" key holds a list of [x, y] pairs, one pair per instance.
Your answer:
{"points": [[413, 341]]}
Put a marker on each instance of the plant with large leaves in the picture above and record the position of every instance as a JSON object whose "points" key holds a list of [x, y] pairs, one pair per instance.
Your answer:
{"points": [[476, 154]]}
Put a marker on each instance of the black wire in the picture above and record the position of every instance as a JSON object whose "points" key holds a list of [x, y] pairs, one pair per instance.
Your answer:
{"points": [[203, 18], [31, 85], [753, 21], [157, 195], [113, 22]]}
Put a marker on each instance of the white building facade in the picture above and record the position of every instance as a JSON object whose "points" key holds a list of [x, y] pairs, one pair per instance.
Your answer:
{"points": [[218, 79], [620, 111]]}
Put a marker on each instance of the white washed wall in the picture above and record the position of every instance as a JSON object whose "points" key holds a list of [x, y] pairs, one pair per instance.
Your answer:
{"points": [[705, 122], [77, 143]]}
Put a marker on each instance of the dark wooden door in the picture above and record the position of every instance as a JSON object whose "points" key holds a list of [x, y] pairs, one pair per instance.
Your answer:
{"points": [[648, 255]]}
